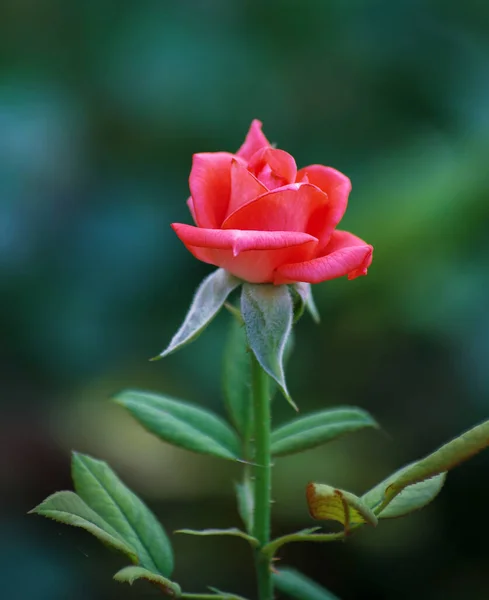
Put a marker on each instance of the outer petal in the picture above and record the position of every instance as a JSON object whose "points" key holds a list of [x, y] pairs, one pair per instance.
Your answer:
{"points": [[190, 204], [274, 168], [255, 140], [289, 208], [244, 187], [338, 188], [210, 187], [251, 255], [346, 254]]}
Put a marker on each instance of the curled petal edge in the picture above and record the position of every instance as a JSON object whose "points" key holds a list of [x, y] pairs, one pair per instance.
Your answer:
{"points": [[337, 186], [210, 186], [351, 260], [190, 204], [291, 205], [239, 240], [282, 168]]}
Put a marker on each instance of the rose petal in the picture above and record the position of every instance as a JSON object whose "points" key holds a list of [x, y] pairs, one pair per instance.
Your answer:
{"points": [[210, 187], [253, 142], [251, 255], [289, 208], [274, 168], [239, 240], [346, 254], [338, 187], [244, 187]]}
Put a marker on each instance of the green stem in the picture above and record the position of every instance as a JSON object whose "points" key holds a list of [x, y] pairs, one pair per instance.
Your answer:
{"points": [[202, 596], [271, 548], [207, 596], [263, 480]]}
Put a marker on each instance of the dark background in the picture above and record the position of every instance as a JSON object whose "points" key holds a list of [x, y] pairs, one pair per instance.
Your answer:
{"points": [[102, 104]]}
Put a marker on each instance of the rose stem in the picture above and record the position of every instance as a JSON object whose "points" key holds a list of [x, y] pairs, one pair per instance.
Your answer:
{"points": [[262, 472]]}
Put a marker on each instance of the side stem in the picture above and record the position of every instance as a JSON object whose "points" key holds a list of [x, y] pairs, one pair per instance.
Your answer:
{"points": [[262, 473]]}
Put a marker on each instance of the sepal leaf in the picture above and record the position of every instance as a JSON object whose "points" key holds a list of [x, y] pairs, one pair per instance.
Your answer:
{"points": [[305, 301], [133, 573], [208, 300], [318, 428], [327, 503], [296, 585], [182, 424], [234, 311], [268, 313]]}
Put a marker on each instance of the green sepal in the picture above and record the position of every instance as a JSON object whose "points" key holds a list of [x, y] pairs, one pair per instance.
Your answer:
{"points": [[289, 348], [208, 300], [232, 531], [133, 573], [318, 428], [296, 585], [182, 424], [268, 313], [234, 311], [304, 300]]}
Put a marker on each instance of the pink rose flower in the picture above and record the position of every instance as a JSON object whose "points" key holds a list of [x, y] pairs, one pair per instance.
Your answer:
{"points": [[264, 221]]}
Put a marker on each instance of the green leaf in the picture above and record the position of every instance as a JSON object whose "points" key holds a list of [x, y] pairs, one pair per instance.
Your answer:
{"points": [[132, 574], [296, 585], [208, 300], [182, 424], [318, 428], [327, 503], [236, 380], [436, 464], [303, 292], [267, 312], [67, 507], [100, 488], [411, 498], [232, 531], [246, 501], [414, 497]]}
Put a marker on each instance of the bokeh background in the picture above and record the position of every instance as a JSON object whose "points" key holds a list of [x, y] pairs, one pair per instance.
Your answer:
{"points": [[102, 103]]}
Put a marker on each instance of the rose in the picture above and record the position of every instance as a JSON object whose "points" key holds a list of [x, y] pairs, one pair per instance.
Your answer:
{"points": [[264, 221]]}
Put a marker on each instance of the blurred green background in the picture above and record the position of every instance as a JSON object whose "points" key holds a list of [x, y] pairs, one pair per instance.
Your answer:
{"points": [[102, 103]]}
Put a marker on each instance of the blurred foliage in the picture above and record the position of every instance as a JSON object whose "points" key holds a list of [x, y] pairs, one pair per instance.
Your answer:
{"points": [[102, 104]]}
